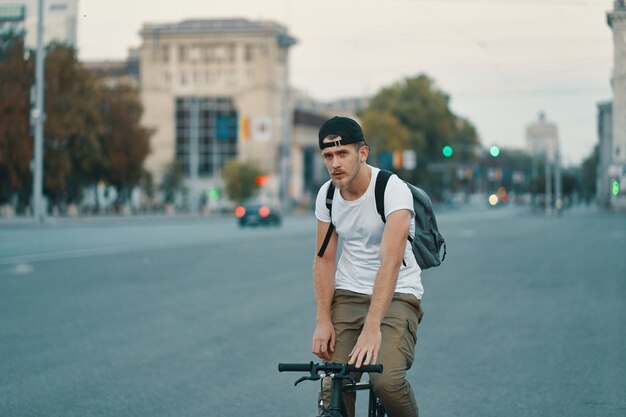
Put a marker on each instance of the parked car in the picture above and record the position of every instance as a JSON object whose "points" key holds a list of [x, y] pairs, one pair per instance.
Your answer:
{"points": [[257, 214]]}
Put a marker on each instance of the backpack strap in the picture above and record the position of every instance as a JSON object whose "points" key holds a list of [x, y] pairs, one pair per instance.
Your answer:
{"points": [[379, 192], [330, 193]]}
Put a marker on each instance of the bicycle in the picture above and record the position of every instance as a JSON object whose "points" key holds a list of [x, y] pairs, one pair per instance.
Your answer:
{"points": [[338, 372]]}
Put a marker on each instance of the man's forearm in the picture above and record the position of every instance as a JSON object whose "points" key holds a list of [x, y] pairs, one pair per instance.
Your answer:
{"points": [[384, 289], [324, 282]]}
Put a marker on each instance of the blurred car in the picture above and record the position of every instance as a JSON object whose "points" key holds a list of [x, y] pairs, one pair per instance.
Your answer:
{"points": [[257, 214]]}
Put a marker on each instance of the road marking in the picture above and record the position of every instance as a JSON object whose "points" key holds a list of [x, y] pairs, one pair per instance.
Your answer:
{"points": [[21, 269]]}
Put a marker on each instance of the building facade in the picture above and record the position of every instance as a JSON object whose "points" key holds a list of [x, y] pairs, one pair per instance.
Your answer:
{"points": [[214, 90], [605, 149], [542, 138], [60, 20], [614, 160]]}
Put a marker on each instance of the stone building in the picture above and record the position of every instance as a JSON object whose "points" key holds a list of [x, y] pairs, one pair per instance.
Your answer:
{"points": [[614, 160], [60, 24], [214, 90], [605, 149]]}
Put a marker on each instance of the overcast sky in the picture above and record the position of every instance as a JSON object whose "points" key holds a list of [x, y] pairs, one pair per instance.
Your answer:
{"points": [[501, 61]]}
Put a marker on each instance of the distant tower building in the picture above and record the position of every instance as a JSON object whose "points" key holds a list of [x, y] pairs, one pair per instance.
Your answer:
{"points": [[542, 138], [617, 161], [59, 18], [542, 142]]}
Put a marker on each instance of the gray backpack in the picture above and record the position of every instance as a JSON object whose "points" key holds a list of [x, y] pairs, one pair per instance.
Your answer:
{"points": [[428, 241]]}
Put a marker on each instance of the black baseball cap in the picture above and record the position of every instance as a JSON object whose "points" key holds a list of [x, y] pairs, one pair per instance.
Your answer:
{"points": [[347, 129]]}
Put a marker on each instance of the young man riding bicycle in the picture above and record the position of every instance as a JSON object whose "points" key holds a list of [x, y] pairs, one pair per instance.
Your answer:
{"points": [[368, 303]]}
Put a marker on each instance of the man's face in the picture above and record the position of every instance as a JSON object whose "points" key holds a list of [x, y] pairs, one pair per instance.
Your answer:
{"points": [[343, 163]]}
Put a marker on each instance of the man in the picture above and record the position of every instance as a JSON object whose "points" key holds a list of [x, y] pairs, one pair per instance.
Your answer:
{"points": [[368, 304]]}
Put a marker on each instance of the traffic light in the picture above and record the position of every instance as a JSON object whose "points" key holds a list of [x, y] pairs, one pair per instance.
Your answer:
{"points": [[494, 151], [215, 193], [262, 180], [615, 187], [447, 151]]}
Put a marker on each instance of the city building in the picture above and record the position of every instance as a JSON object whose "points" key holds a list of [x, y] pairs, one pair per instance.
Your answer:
{"points": [[542, 138], [60, 20], [605, 149], [614, 160], [114, 72], [214, 90], [340, 107], [542, 142]]}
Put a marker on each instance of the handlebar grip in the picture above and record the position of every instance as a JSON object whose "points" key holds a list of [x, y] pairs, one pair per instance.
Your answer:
{"points": [[294, 367], [368, 368]]}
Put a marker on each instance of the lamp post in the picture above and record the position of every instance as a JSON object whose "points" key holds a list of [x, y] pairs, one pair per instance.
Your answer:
{"points": [[39, 117], [285, 42]]}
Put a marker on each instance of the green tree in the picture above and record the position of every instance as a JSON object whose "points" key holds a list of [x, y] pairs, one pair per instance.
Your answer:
{"points": [[423, 109], [241, 179], [124, 142], [588, 175], [72, 151], [172, 182], [16, 144], [384, 132]]}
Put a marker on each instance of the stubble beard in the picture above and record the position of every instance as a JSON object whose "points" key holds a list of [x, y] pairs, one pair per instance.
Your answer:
{"points": [[342, 184]]}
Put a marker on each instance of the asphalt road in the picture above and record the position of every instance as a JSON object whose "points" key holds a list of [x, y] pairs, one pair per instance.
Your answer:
{"points": [[190, 317]]}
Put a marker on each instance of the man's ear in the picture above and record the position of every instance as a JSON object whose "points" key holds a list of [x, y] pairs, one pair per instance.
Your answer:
{"points": [[363, 153]]}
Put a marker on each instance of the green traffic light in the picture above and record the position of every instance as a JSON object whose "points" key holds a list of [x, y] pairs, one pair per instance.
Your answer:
{"points": [[494, 151], [447, 151], [615, 187], [214, 194]]}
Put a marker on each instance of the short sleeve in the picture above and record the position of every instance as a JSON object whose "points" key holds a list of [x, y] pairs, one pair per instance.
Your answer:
{"points": [[398, 196], [321, 211]]}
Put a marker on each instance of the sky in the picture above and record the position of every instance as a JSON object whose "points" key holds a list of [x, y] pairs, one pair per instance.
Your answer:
{"points": [[500, 61]]}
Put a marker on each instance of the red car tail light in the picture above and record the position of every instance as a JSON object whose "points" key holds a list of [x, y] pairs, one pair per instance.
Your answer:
{"points": [[264, 211]]}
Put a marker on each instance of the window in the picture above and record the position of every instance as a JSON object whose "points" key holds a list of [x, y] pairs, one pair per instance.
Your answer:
{"points": [[217, 132], [165, 53], [182, 53], [166, 79], [249, 53]]}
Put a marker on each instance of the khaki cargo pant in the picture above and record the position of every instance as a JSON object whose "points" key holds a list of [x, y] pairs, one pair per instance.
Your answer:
{"points": [[396, 353]]}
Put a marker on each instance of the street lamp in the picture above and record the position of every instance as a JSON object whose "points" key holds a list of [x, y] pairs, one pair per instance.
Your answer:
{"points": [[39, 117], [285, 42]]}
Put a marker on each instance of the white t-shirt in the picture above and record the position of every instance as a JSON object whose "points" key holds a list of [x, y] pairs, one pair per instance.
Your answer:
{"points": [[360, 229]]}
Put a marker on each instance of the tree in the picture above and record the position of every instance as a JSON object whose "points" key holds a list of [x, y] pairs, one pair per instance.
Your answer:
{"points": [[16, 145], [588, 174], [384, 132], [172, 182], [423, 110], [241, 179], [73, 157], [124, 142]]}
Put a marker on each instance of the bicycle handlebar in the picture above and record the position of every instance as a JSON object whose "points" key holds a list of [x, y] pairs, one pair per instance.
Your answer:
{"points": [[331, 367]]}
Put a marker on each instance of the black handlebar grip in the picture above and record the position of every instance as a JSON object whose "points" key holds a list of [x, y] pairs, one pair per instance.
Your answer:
{"points": [[294, 367], [367, 368]]}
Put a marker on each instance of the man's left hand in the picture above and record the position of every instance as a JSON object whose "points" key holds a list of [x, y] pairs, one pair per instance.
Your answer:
{"points": [[365, 352]]}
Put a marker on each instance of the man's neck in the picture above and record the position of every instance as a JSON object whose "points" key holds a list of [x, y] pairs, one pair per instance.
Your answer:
{"points": [[359, 185]]}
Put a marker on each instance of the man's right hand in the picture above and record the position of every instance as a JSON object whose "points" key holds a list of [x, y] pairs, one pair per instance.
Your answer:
{"points": [[324, 340]]}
